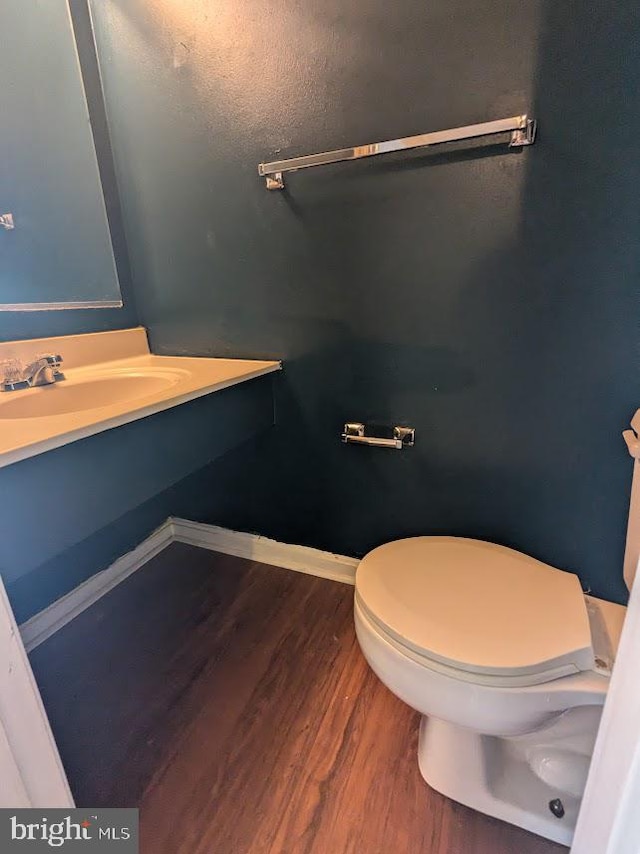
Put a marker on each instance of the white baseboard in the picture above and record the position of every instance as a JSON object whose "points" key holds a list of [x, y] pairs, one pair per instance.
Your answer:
{"points": [[41, 626], [264, 550], [45, 623]]}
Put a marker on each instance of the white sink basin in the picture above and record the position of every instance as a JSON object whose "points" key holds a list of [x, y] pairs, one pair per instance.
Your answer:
{"points": [[102, 393], [91, 391]]}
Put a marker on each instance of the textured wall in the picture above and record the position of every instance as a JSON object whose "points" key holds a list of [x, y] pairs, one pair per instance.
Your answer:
{"points": [[488, 298]]}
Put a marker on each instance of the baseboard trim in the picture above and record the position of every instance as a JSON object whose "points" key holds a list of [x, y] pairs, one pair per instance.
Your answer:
{"points": [[47, 622], [262, 549]]}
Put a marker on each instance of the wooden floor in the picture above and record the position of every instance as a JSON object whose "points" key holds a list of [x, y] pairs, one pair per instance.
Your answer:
{"points": [[230, 702]]}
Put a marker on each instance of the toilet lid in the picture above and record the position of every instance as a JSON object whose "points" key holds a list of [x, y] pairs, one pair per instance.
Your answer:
{"points": [[477, 607]]}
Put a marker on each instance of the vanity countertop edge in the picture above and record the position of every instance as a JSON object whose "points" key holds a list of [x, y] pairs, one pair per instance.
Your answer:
{"points": [[110, 354]]}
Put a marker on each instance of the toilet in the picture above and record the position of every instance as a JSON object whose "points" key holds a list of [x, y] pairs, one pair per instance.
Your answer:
{"points": [[507, 661]]}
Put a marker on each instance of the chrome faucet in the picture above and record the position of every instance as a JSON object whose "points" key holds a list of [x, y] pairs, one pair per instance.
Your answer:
{"points": [[45, 370]]}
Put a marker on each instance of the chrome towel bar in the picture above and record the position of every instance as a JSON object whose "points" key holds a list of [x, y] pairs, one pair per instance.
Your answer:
{"points": [[522, 128], [403, 437]]}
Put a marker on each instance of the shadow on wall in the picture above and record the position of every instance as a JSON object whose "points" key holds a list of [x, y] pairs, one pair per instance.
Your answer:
{"points": [[485, 297], [581, 261], [532, 373]]}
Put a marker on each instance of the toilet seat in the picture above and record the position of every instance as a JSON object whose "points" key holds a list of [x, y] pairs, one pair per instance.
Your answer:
{"points": [[485, 612]]}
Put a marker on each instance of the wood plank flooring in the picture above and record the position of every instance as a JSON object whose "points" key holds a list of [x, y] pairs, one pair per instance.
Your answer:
{"points": [[230, 702]]}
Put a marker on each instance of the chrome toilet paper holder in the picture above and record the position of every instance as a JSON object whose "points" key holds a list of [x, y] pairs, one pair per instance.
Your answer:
{"points": [[403, 437]]}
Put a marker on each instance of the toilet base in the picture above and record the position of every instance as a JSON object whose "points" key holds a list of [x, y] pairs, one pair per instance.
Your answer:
{"points": [[492, 775]]}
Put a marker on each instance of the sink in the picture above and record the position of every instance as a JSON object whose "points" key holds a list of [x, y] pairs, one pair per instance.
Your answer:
{"points": [[91, 391], [111, 380]]}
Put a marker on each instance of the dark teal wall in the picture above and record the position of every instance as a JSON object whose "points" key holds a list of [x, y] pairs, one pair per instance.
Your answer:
{"points": [[70, 512], [216, 491], [490, 299]]}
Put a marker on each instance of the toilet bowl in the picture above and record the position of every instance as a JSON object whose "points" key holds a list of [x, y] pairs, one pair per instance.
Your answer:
{"points": [[508, 662]]}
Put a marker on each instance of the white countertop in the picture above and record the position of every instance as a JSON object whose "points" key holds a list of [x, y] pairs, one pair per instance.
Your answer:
{"points": [[188, 378]]}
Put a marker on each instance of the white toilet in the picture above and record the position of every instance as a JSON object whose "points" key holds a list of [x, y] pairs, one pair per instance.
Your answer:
{"points": [[507, 660]]}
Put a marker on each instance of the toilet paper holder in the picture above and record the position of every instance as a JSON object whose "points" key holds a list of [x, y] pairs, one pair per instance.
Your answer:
{"points": [[403, 437]]}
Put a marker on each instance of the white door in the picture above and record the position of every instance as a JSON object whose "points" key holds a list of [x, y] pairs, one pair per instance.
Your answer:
{"points": [[609, 819], [31, 773]]}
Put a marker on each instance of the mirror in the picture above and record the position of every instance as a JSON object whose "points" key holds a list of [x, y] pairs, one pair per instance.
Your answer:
{"points": [[55, 243]]}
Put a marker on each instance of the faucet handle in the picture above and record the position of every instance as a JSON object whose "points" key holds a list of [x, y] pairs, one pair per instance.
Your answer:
{"points": [[12, 375], [54, 361], [11, 369]]}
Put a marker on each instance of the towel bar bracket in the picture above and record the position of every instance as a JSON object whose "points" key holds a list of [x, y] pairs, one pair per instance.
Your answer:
{"points": [[524, 136], [275, 181]]}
